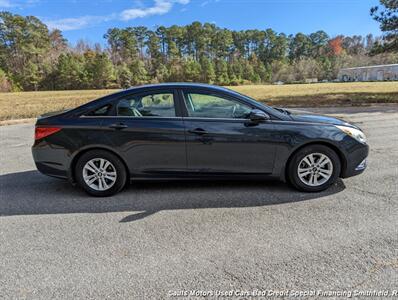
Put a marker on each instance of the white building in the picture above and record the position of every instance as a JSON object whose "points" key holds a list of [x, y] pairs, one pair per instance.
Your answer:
{"points": [[370, 73]]}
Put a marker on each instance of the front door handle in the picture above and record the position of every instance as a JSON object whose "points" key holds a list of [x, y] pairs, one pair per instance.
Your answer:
{"points": [[118, 126], [198, 131]]}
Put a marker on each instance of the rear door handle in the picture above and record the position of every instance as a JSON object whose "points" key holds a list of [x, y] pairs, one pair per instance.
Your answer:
{"points": [[118, 126], [198, 131]]}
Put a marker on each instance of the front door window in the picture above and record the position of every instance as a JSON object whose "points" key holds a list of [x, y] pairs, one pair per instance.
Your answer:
{"points": [[213, 106]]}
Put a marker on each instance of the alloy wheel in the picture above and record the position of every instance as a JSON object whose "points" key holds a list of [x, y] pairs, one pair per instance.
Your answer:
{"points": [[315, 169], [99, 174]]}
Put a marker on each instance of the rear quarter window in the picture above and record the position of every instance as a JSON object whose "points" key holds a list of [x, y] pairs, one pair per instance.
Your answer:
{"points": [[98, 112]]}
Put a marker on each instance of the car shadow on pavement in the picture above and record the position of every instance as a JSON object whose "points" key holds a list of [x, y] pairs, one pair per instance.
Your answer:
{"points": [[31, 193]]}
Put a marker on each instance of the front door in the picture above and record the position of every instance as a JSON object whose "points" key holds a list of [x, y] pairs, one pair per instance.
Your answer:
{"points": [[221, 139], [147, 132]]}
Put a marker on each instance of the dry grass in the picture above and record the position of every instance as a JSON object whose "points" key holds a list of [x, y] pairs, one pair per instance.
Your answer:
{"points": [[331, 94], [32, 104]]}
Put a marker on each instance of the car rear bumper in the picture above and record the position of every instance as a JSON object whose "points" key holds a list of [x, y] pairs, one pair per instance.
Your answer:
{"points": [[51, 169], [50, 161], [356, 162]]}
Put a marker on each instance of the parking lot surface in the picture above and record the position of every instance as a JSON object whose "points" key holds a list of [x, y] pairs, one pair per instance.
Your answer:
{"points": [[155, 239]]}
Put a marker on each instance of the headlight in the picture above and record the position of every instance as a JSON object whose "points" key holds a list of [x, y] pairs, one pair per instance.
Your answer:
{"points": [[353, 132]]}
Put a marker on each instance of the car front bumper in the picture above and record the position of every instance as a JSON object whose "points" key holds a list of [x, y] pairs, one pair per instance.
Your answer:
{"points": [[356, 162]]}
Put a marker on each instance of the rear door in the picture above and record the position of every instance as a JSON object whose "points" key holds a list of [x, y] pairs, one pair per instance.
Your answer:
{"points": [[148, 131], [220, 137]]}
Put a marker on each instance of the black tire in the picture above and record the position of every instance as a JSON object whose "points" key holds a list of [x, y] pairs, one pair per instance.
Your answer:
{"points": [[120, 170], [292, 170]]}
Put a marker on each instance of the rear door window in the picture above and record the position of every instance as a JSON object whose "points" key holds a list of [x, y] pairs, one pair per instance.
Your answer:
{"points": [[157, 104]]}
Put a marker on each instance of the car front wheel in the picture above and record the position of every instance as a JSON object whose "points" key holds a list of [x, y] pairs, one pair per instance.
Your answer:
{"points": [[314, 168], [100, 173]]}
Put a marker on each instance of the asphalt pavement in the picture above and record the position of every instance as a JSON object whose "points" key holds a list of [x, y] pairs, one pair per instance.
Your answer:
{"points": [[155, 240]]}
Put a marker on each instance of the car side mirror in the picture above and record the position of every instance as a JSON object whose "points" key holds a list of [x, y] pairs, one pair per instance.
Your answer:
{"points": [[257, 116]]}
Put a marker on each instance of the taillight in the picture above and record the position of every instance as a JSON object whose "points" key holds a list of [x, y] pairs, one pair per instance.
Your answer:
{"points": [[41, 132]]}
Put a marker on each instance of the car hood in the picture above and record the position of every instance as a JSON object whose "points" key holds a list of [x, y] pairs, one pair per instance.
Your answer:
{"points": [[305, 116]]}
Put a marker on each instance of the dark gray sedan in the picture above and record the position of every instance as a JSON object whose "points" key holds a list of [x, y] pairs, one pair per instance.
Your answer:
{"points": [[192, 131]]}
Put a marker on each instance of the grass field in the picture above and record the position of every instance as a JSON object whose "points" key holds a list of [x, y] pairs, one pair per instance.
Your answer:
{"points": [[32, 104]]}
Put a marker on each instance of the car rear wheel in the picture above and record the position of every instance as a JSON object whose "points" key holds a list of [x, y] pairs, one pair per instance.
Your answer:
{"points": [[100, 173], [314, 168]]}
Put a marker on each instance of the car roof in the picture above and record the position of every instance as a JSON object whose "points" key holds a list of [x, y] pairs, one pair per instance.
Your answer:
{"points": [[179, 85]]}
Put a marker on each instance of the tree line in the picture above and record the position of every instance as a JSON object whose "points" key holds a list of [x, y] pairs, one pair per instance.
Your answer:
{"points": [[34, 58]]}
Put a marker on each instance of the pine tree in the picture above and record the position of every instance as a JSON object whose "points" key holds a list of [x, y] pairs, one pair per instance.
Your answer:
{"points": [[103, 73], [139, 74], [222, 77], [192, 70], [387, 16], [5, 84], [208, 74], [123, 76], [70, 73]]}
